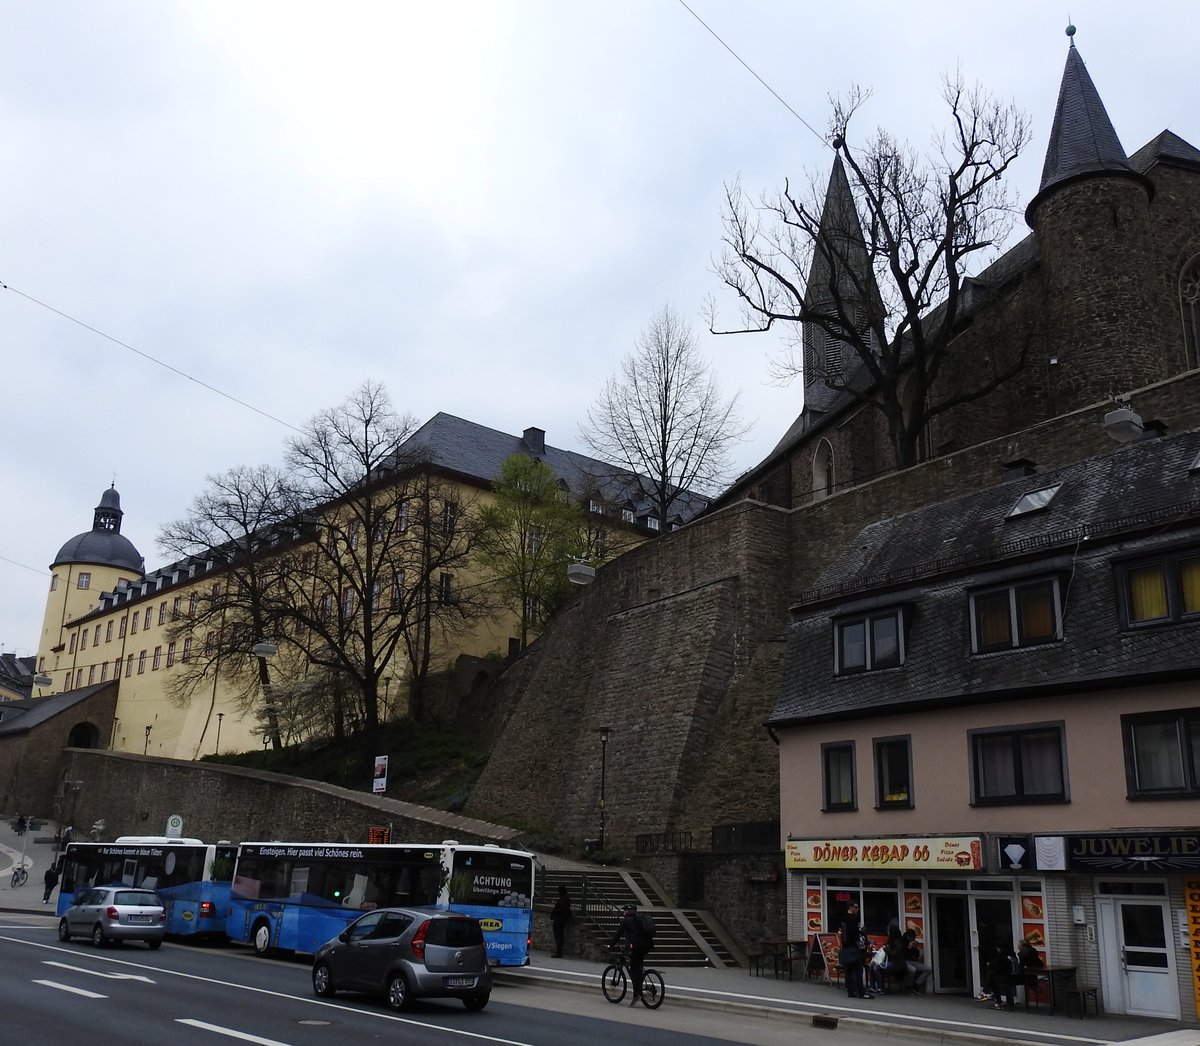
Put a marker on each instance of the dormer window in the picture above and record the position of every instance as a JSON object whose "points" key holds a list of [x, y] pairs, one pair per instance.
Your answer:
{"points": [[596, 508], [1019, 615], [652, 522], [869, 641], [627, 515]]}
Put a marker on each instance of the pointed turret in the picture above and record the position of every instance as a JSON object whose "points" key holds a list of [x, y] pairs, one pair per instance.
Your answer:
{"points": [[840, 273], [1083, 142]]}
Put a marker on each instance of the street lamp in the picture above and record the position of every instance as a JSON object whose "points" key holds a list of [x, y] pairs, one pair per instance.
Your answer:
{"points": [[217, 750], [604, 732], [262, 650], [42, 681]]}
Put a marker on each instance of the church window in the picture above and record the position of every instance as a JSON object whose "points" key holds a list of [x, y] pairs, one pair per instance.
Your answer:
{"points": [[823, 470], [1189, 303], [834, 367]]}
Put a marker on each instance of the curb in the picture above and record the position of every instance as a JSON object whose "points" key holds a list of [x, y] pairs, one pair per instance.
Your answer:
{"points": [[816, 1018]]}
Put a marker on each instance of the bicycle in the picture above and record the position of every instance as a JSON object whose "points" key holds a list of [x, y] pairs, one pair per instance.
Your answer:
{"points": [[614, 982], [20, 875]]}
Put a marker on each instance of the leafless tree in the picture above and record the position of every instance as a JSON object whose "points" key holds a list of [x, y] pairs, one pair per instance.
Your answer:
{"points": [[885, 278], [377, 581], [662, 418], [232, 524]]}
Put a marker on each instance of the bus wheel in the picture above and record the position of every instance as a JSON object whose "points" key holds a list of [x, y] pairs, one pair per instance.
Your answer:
{"points": [[398, 996], [261, 938]]}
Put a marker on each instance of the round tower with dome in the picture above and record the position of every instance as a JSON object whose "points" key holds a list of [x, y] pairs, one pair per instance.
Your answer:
{"points": [[96, 561]]}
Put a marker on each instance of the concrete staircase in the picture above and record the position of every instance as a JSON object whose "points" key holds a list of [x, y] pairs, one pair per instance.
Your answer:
{"points": [[683, 937]]}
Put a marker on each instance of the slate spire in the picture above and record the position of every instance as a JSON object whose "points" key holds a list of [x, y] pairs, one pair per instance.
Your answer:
{"points": [[1083, 142]]}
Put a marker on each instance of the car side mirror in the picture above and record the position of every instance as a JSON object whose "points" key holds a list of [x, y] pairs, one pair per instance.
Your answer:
{"points": [[344, 936]]}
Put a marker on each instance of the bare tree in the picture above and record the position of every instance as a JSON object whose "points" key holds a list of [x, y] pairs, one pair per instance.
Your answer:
{"points": [[662, 418], [233, 523], [885, 276], [377, 580]]}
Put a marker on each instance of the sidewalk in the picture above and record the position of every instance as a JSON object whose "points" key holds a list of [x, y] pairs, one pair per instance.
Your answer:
{"points": [[950, 1018]]}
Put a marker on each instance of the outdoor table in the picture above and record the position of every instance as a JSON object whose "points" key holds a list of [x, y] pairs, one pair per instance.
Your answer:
{"points": [[1055, 977]]}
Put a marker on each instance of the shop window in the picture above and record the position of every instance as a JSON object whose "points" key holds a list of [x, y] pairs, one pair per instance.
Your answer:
{"points": [[870, 641], [1161, 753], [1015, 616], [837, 761], [1018, 765], [893, 773]]}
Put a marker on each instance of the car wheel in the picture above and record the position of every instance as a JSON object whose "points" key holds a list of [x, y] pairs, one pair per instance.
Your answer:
{"points": [[154, 945], [475, 1002], [262, 939], [398, 997], [64, 931], [323, 980], [98, 938]]}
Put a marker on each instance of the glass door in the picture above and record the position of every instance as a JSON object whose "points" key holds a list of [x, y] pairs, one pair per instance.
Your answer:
{"points": [[1140, 966]]}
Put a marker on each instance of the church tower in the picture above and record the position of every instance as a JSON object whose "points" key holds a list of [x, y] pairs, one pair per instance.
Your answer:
{"points": [[96, 561], [1091, 219]]}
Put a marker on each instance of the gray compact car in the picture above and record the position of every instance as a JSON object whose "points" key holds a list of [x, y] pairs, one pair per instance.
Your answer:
{"points": [[115, 913], [406, 954]]}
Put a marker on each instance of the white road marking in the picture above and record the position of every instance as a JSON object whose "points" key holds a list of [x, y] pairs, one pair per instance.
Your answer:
{"points": [[73, 991], [230, 1032], [100, 973]]}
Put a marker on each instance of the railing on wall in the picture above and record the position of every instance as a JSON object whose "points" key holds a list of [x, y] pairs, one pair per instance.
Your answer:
{"points": [[662, 842], [749, 835]]}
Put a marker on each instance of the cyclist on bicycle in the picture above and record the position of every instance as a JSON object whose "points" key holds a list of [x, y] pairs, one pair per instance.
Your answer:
{"points": [[631, 931]]}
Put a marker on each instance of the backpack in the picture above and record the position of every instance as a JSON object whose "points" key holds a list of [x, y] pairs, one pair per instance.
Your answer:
{"points": [[1014, 965], [646, 924]]}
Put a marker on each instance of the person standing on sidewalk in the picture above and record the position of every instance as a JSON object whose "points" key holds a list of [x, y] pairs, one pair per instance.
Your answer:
{"points": [[559, 915], [51, 881], [851, 955]]}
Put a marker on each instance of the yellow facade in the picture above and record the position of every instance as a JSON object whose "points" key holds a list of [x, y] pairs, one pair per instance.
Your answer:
{"points": [[104, 621]]}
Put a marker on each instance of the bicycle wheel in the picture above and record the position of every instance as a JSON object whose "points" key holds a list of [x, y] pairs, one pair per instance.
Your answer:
{"points": [[20, 875], [653, 989], [614, 983]]}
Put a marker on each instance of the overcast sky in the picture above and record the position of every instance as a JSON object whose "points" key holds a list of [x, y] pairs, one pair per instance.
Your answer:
{"points": [[479, 204]]}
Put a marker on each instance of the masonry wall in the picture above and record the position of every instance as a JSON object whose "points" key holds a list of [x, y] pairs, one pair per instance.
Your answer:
{"points": [[134, 795]]}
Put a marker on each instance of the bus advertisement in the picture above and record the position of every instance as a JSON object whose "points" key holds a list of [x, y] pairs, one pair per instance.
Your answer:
{"points": [[192, 878], [296, 896]]}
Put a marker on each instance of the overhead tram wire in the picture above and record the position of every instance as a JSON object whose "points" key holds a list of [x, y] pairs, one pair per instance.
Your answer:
{"points": [[152, 359], [820, 137]]}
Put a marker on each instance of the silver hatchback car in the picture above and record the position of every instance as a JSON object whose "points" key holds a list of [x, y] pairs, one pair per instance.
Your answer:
{"points": [[115, 913], [406, 954]]}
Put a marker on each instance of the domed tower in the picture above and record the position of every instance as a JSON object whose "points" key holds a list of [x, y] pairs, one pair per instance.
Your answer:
{"points": [[89, 564], [1091, 219]]}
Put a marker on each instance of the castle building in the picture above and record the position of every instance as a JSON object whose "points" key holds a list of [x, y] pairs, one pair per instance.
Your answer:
{"points": [[108, 619]]}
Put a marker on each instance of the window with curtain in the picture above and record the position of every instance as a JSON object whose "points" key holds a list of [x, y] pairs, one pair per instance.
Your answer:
{"points": [[1023, 765], [1161, 753], [1162, 591], [1019, 615], [893, 773], [838, 770]]}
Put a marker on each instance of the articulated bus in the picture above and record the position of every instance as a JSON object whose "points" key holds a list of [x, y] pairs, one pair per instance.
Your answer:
{"points": [[296, 896], [191, 878]]}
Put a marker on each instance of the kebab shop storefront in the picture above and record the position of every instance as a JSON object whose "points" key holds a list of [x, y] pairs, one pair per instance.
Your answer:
{"points": [[937, 886]]}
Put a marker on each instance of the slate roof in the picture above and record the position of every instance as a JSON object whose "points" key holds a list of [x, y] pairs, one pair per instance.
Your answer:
{"points": [[478, 452], [19, 717], [16, 673], [1141, 498], [1083, 141]]}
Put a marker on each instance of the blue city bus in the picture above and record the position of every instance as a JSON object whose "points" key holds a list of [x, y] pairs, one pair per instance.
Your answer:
{"points": [[291, 896], [191, 878]]}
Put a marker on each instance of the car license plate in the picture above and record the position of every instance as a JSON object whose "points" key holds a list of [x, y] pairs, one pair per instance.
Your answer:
{"points": [[141, 918], [460, 982]]}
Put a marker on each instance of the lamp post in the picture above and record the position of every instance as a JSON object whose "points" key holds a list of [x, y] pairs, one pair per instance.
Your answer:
{"points": [[146, 745], [217, 750], [262, 650], [604, 732], [42, 681]]}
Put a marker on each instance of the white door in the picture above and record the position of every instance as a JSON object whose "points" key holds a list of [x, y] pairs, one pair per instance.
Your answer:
{"points": [[1138, 957]]}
